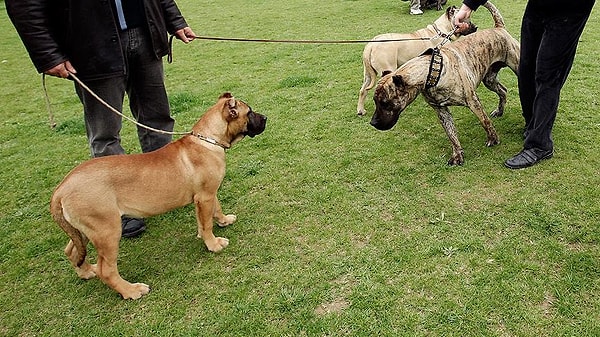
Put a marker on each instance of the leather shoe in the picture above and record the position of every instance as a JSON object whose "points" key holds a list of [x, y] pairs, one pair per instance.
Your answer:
{"points": [[528, 157], [132, 227]]}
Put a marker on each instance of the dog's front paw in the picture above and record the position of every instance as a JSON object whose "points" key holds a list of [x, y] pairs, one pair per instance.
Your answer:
{"points": [[86, 271], [135, 291], [456, 159], [497, 113], [361, 112], [226, 220], [492, 141], [217, 244]]}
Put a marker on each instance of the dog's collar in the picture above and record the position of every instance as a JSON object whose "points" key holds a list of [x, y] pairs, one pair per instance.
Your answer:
{"points": [[435, 68], [210, 140], [445, 36]]}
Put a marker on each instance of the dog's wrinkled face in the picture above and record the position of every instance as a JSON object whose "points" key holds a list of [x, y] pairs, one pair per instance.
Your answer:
{"points": [[392, 96], [241, 119]]}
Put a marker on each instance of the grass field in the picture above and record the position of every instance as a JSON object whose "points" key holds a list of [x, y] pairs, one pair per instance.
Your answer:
{"points": [[342, 230]]}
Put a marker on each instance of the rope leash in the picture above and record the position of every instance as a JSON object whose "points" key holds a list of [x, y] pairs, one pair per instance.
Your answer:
{"points": [[119, 113], [440, 34], [52, 122], [103, 102], [48, 106], [213, 38]]}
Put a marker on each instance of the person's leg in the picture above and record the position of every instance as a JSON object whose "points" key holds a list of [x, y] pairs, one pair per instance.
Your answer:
{"points": [[554, 61], [531, 36], [415, 7], [102, 124], [147, 94], [541, 81]]}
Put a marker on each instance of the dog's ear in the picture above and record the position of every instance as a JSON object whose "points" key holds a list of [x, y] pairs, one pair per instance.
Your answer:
{"points": [[226, 95], [231, 105], [450, 11], [398, 80]]}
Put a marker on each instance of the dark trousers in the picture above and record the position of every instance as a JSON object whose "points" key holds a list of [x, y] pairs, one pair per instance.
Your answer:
{"points": [[143, 81], [548, 46]]}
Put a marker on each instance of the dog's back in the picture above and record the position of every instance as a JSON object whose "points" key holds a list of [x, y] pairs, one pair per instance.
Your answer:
{"points": [[382, 57]]}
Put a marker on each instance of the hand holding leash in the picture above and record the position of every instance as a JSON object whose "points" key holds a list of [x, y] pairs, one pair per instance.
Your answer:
{"points": [[461, 18], [61, 70], [186, 35]]}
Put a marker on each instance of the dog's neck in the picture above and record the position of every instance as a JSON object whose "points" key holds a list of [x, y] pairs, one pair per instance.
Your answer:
{"points": [[210, 140], [200, 131]]}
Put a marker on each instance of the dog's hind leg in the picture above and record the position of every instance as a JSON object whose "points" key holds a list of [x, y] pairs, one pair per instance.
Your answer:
{"points": [[475, 106], [369, 78], [85, 271], [490, 80], [106, 240], [447, 122], [76, 248]]}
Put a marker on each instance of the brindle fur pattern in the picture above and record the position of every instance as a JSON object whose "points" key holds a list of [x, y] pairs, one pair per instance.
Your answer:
{"points": [[467, 62], [380, 58]]}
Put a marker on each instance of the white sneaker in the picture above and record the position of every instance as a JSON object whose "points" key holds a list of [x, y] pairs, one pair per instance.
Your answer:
{"points": [[416, 12]]}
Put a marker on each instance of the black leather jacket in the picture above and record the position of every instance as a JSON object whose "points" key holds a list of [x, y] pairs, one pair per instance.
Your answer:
{"points": [[548, 6], [85, 33]]}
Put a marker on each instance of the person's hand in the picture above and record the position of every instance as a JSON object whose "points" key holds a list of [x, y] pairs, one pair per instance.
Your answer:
{"points": [[464, 13], [186, 34], [61, 70]]}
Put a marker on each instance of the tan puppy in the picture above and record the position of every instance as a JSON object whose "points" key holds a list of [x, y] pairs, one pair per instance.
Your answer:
{"points": [[90, 201], [380, 58], [467, 62]]}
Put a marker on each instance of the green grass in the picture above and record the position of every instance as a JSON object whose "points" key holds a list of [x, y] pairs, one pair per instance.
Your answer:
{"points": [[342, 229]]}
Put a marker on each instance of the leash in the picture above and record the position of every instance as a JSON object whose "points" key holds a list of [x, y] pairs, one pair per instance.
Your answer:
{"points": [[48, 106], [437, 61], [197, 135], [235, 39], [433, 69], [119, 113]]}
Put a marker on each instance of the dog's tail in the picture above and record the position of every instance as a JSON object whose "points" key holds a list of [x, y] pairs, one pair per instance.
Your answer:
{"points": [[370, 73], [498, 20], [76, 236]]}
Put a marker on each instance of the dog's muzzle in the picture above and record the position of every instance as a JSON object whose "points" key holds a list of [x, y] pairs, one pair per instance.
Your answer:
{"points": [[384, 120], [256, 124]]}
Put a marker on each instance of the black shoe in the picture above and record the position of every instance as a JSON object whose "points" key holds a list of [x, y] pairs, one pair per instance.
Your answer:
{"points": [[132, 227], [528, 157]]}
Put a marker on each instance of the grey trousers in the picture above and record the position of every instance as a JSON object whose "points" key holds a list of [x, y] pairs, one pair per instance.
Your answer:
{"points": [[143, 81]]}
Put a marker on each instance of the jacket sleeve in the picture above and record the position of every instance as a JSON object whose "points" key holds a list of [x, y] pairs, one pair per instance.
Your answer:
{"points": [[173, 18], [474, 4], [33, 21]]}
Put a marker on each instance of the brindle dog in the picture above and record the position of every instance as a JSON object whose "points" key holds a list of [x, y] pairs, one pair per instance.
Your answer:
{"points": [[466, 63]]}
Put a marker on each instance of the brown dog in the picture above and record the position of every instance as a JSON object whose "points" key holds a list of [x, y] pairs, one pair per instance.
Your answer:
{"points": [[89, 202], [467, 62]]}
